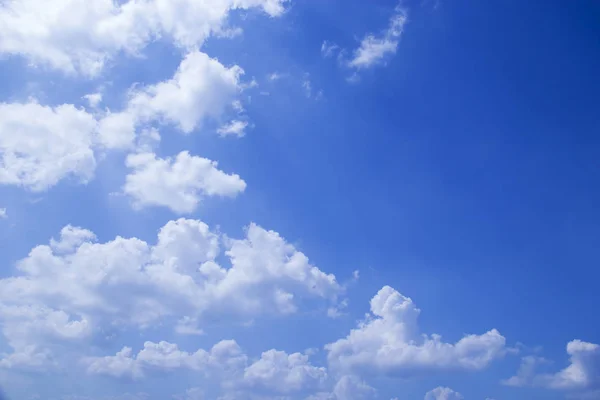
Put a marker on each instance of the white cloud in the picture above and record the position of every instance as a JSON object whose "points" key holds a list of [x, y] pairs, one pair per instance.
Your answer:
{"points": [[73, 288], [347, 387], [179, 183], [117, 130], [387, 341], [61, 142], [350, 387], [93, 99], [374, 49], [526, 371], [443, 393], [307, 86], [276, 372], [40, 145], [284, 373], [82, 36], [201, 88], [275, 76], [3, 214], [583, 371], [233, 128], [167, 356], [328, 49]]}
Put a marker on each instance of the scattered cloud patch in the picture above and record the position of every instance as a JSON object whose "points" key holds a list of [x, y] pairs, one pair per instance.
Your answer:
{"points": [[167, 356], [201, 88], [583, 372], [93, 99], [374, 49], [233, 128], [388, 342], [178, 183], [443, 393], [36, 153], [71, 289], [83, 37], [328, 49], [280, 372]]}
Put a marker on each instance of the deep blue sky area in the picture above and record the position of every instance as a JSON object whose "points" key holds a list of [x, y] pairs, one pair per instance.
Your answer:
{"points": [[463, 170]]}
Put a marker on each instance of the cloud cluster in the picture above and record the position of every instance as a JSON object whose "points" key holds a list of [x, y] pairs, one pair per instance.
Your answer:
{"points": [[74, 286], [388, 342], [81, 37], [64, 141], [373, 49], [275, 372], [40, 145], [443, 393], [179, 183], [583, 372]]}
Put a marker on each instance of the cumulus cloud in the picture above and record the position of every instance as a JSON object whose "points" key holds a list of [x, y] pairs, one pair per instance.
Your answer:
{"points": [[583, 372], [75, 286], [443, 393], [280, 372], [350, 387], [83, 36], [179, 183], [40, 145], [165, 356], [387, 341], [93, 99], [3, 214], [233, 128], [347, 387], [374, 49], [276, 372], [201, 88]]}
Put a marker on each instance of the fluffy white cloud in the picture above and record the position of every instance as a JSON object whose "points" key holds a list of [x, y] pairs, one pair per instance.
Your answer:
{"points": [[374, 49], [117, 130], [81, 36], [93, 99], [583, 371], [74, 287], [276, 372], [443, 393], [233, 128], [41, 145], [388, 342], [3, 214], [179, 183], [225, 355], [284, 373], [347, 387], [201, 88], [350, 387]]}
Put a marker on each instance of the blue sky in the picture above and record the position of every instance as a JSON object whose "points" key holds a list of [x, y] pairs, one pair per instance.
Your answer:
{"points": [[270, 199]]}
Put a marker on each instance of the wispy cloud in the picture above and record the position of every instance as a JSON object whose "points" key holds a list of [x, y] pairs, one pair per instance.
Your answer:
{"points": [[374, 49]]}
